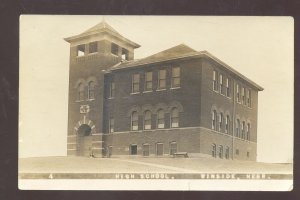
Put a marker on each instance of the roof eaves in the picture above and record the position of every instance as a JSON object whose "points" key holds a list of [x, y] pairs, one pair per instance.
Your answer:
{"points": [[233, 70]]}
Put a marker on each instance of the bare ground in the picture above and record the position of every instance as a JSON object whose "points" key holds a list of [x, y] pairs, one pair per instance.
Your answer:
{"points": [[146, 165]]}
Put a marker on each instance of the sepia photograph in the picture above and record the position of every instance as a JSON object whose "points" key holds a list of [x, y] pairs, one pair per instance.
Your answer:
{"points": [[156, 103]]}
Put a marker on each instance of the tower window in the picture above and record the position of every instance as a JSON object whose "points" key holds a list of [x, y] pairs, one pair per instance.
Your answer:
{"points": [[91, 90], [81, 50], [160, 119], [135, 83], [162, 79], [148, 81], [175, 77], [134, 121], [93, 47], [174, 118], [147, 120], [80, 96], [114, 49]]}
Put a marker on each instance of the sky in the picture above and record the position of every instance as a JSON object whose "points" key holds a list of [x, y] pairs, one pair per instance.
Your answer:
{"points": [[261, 48]]}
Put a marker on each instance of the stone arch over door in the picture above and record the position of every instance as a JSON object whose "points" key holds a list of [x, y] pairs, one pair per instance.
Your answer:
{"points": [[84, 131]]}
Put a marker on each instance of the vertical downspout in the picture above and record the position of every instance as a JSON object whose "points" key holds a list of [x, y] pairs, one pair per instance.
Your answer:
{"points": [[233, 116]]}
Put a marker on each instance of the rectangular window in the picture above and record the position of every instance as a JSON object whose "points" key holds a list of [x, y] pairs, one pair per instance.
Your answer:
{"points": [[160, 119], [227, 87], [227, 153], [93, 47], [112, 90], [173, 148], [111, 125], [249, 98], [248, 154], [162, 79], [124, 54], [238, 97], [135, 83], [215, 82], [159, 149], [221, 84], [220, 122], [81, 50], [148, 81], [175, 77], [243, 96], [237, 152], [146, 149]]}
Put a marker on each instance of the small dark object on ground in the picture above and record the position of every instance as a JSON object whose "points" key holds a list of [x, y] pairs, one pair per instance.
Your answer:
{"points": [[185, 154]]}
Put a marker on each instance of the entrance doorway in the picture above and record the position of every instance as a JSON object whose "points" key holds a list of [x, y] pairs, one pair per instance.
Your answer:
{"points": [[133, 149], [84, 140], [159, 149]]}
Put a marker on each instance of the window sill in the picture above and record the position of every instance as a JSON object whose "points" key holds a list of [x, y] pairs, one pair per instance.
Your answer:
{"points": [[160, 90], [134, 93], [110, 97], [90, 99], [148, 91], [78, 101], [175, 88]]}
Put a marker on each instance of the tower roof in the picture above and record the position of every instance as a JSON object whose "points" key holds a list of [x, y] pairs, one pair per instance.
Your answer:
{"points": [[99, 28]]}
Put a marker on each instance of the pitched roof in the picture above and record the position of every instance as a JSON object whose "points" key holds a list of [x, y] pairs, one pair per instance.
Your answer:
{"points": [[100, 28], [180, 52]]}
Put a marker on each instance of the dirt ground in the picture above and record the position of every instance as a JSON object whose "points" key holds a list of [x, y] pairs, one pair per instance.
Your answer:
{"points": [[146, 165]]}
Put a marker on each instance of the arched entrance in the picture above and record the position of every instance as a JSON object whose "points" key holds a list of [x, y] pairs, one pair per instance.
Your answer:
{"points": [[84, 140]]}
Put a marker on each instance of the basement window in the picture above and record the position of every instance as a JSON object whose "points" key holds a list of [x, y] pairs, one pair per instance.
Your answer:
{"points": [[80, 50], [93, 47]]}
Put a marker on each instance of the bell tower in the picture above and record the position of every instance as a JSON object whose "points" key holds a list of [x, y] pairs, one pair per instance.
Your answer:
{"points": [[92, 53]]}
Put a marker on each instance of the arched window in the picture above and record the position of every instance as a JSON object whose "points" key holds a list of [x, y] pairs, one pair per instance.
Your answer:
{"points": [[248, 132], [174, 118], [227, 124], [213, 151], [91, 90], [214, 120], [227, 152], [243, 130], [147, 120], [221, 151], [237, 128], [134, 121], [160, 118], [221, 122], [80, 96]]}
